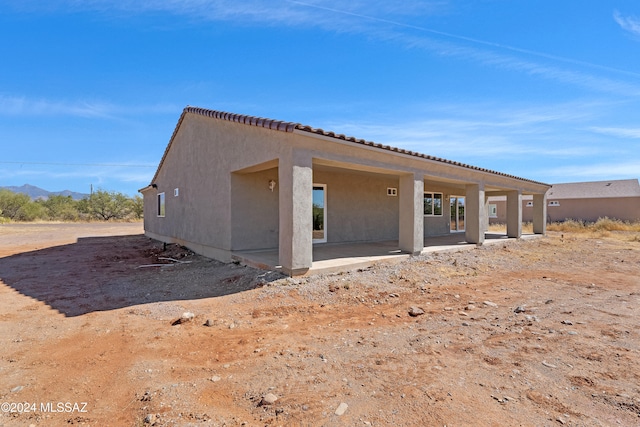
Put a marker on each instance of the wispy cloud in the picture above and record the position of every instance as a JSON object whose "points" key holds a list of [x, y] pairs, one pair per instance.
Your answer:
{"points": [[75, 177], [608, 170], [18, 105], [24, 106], [627, 23], [487, 131], [384, 20], [633, 133]]}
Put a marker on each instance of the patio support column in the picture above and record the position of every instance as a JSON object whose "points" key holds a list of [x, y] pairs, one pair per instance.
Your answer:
{"points": [[486, 212], [514, 214], [295, 173], [540, 213], [411, 227], [476, 214]]}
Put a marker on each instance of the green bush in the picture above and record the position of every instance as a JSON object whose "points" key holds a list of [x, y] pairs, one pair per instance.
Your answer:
{"points": [[106, 205], [11, 203], [102, 205], [30, 212], [62, 208]]}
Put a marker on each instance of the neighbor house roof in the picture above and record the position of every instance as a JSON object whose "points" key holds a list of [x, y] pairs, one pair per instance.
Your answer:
{"points": [[587, 190], [282, 126], [595, 189]]}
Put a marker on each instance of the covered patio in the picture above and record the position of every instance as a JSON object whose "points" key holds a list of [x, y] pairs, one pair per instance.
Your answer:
{"points": [[342, 257], [303, 200]]}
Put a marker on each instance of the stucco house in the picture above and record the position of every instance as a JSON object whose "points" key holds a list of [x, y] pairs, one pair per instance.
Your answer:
{"points": [[230, 182], [585, 201]]}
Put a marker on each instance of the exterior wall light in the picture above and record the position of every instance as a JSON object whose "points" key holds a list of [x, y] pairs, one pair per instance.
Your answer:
{"points": [[272, 185]]}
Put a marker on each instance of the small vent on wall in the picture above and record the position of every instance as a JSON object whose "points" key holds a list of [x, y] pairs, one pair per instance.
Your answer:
{"points": [[392, 191]]}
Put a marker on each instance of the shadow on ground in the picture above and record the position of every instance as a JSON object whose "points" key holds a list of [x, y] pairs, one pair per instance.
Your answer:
{"points": [[105, 273]]}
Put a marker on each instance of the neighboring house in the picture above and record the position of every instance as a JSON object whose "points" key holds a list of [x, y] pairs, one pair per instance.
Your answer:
{"points": [[230, 182], [585, 201]]}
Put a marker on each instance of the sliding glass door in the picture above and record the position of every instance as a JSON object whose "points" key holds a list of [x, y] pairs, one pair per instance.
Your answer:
{"points": [[457, 213], [319, 213]]}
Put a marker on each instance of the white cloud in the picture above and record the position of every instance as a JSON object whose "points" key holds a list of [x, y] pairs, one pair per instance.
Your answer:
{"points": [[384, 20], [272, 12], [627, 23], [24, 106], [611, 170], [487, 131], [633, 133], [73, 177], [19, 105]]}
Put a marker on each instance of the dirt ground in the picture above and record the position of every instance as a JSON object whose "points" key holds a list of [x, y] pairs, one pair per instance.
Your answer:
{"points": [[539, 332]]}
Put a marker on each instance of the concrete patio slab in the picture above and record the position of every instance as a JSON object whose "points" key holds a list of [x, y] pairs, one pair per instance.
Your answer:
{"points": [[342, 257]]}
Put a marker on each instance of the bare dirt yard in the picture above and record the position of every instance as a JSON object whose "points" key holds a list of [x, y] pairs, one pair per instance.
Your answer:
{"points": [[540, 332]]}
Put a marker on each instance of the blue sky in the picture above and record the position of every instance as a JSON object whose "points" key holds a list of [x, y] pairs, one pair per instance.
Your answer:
{"points": [[91, 90]]}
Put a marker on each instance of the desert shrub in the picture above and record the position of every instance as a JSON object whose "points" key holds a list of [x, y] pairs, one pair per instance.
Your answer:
{"points": [[106, 205], [497, 227], [61, 208], [102, 205], [567, 226], [607, 224], [11, 203], [137, 206], [527, 227], [30, 212], [601, 225]]}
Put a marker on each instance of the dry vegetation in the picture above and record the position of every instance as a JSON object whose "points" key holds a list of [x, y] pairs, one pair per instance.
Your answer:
{"points": [[599, 228]]}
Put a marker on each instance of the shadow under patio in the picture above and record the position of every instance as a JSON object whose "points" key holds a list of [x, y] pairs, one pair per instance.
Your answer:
{"points": [[342, 257]]}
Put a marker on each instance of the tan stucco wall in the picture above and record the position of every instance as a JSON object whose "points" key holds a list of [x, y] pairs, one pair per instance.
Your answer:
{"points": [[358, 208], [255, 219], [625, 209], [199, 163]]}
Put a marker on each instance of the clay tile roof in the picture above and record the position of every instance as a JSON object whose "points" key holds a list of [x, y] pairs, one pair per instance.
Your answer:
{"points": [[289, 127]]}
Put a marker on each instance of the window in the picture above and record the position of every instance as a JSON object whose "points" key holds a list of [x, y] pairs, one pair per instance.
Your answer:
{"points": [[493, 211], [433, 204], [319, 213], [160, 204], [176, 192], [554, 203]]}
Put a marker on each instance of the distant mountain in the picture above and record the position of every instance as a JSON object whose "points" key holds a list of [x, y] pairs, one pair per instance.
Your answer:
{"points": [[38, 193]]}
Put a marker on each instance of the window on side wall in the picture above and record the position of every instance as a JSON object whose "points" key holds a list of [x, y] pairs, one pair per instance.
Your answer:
{"points": [[493, 211], [161, 208], [432, 204]]}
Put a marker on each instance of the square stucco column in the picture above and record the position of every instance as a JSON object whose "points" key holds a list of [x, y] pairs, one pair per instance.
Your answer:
{"points": [[540, 213], [411, 227], [514, 214], [476, 214], [486, 213], [295, 173]]}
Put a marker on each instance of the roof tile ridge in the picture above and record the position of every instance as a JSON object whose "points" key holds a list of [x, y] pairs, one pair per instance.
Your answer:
{"points": [[245, 119]]}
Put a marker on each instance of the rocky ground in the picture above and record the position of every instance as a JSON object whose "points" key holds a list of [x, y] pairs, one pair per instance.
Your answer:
{"points": [[534, 333]]}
